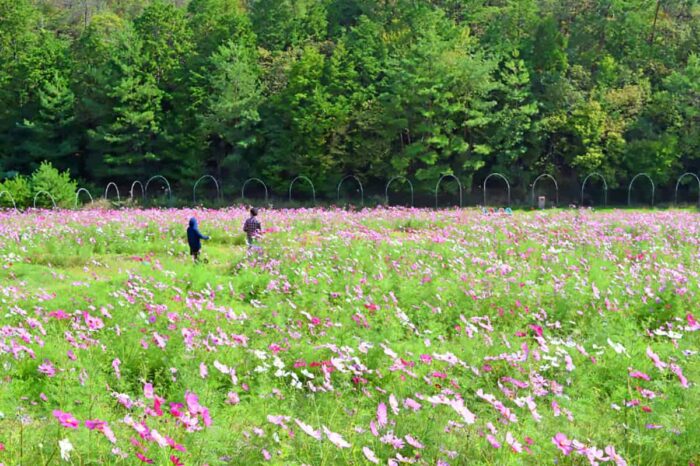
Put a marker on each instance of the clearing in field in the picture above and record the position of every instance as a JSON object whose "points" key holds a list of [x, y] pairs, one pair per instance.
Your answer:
{"points": [[384, 336]]}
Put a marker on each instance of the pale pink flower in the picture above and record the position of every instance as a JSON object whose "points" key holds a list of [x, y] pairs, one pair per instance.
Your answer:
{"points": [[393, 402], [411, 404], [492, 440], [614, 456], [148, 391], [413, 442], [369, 454], [382, 415], [308, 430], [655, 358], [514, 444], [115, 366], [336, 439], [679, 373]]}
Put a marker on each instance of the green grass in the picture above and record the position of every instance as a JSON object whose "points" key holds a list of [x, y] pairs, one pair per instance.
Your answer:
{"points": [[453, 285]]}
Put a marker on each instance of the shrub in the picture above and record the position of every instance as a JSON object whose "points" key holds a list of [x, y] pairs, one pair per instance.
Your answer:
{"points": [[19, 188], [59, 185]]}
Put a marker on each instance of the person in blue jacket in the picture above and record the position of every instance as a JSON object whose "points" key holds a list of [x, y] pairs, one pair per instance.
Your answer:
{"points": [[194, 238]]}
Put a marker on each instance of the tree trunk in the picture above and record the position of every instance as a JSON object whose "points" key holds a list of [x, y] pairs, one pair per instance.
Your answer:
{"points": [[653, 27]]}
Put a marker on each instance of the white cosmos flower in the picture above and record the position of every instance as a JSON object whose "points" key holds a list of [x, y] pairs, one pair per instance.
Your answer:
{"points": [[66, 447]]}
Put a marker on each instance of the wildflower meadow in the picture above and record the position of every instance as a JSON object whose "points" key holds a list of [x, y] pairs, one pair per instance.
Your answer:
{"points": [[381, 336]]}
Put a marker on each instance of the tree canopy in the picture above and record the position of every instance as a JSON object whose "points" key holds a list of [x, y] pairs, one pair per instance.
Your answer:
{"points": [[116, 90]]}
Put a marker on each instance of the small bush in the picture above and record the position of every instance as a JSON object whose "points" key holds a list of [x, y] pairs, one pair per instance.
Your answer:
{"points": [[19, 188], [59, 185]]}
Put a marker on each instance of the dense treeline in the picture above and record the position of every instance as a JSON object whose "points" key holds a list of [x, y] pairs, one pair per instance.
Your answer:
{"points": [[119, 89]]}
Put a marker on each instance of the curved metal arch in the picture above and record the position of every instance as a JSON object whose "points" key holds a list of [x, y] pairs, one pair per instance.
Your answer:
{"points": [[53, 201], [605, 187], [302, 177], [131, 191], [362, 189], [437, 187], [167, 183], [77, 195], [678, 183], [386, 188], [14, 205], [504, 179], [194, 189], [629, 188], [119, 198], [259, 181], [545, 175]]}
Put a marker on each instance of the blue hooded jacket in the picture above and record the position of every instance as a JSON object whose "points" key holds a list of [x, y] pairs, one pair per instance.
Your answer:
{"points": [[194, 237]]}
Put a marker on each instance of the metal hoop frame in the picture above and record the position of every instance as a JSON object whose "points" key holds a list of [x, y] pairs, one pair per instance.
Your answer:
{"points": [[14, 205], [304, 178], [504, 179], [556, 186], [396, 178], [678, 183], [53, 201], [119, 198], [194, 189], [605, 187], [629, 188], [167, 183], [77, 195], [131, 191], [259, 181], [362, 189], [437, 188]]}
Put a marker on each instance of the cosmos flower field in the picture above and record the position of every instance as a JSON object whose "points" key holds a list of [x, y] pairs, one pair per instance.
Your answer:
{"points": [[386, 336]]}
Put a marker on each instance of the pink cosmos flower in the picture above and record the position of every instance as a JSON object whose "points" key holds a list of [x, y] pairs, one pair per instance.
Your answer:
{"points": [[639, 375], [94, 424], [563, 443], [115, 366], [59, 314], [411, 404], [176, 461], [492, 440], [143, 458], [232, 398], [614, 456], [93, 323], [679, 373], [655, 358], [148, 391], [382, 415], [66, 419], [47, 368]]}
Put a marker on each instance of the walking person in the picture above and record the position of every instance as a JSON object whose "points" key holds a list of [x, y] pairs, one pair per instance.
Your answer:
{"points": [[252, 228], [194, 238]]}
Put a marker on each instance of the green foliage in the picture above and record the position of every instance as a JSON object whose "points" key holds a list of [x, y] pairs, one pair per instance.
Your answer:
{"points": [[58, 185], [18, 189], [113, 90]]}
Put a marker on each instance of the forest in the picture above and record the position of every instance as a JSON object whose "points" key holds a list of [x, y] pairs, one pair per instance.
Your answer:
{"points": [[119, 90]]}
